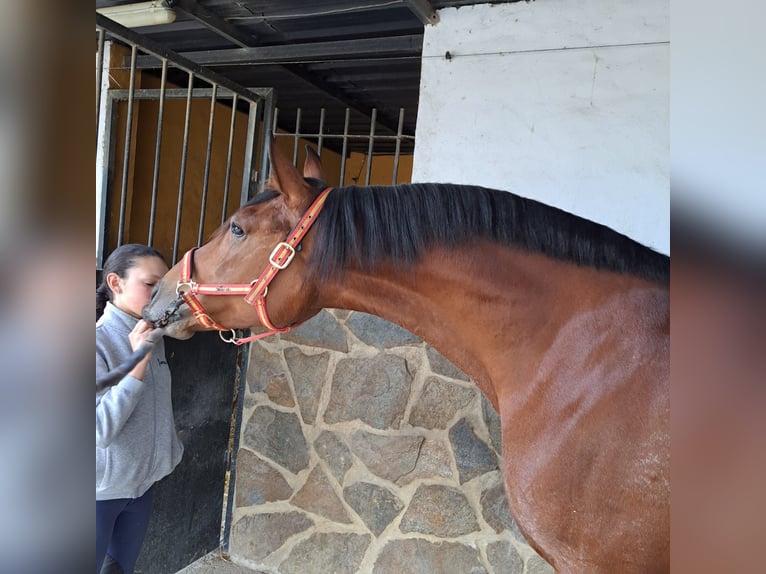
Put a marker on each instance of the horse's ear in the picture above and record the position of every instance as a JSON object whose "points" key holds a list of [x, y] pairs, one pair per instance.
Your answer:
{"points": [[285, 178], [312, 167]]}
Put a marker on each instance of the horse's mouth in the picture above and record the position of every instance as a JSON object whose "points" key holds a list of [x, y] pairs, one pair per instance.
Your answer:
{"points": [[168, 316]]}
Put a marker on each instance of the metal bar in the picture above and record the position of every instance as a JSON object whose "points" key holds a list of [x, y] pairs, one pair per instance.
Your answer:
{"points": [[157, 149], [182, 175], [423, 10], [206, 176], [215, 23], [247, 165], [159, 51], [321, 130], [365, 137], [235, 428], [227, 181], [99, 75], [398, 146], [377, 48], [269, 110], [297, 137], [126, 155], [171, 93], [109, 121], [274, 133], [345, 148], [370, 147]]}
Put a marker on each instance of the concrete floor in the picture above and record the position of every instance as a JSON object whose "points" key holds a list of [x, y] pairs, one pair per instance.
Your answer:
{"points": [[212, 563]]}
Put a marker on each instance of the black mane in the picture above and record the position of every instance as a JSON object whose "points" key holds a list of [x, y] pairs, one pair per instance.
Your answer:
{"points": [[367, 225]]}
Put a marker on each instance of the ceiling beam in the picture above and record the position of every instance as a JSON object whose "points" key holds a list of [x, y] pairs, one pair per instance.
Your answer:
{"points": [[423, 10], [377, 48], [348, 101], [214, 23]]}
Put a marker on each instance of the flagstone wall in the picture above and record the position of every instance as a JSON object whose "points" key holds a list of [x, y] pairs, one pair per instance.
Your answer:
{"points": [[362, 449]]}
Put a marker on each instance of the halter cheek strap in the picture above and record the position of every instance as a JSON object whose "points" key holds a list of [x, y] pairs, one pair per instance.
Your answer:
{"points": [[255, 292]]}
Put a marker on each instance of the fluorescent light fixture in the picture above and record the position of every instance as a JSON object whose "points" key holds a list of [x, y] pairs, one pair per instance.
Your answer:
{"points": [[140, 14]]}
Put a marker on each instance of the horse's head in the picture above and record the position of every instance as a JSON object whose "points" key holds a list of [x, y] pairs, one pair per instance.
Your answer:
{"points": [[239, 252]]}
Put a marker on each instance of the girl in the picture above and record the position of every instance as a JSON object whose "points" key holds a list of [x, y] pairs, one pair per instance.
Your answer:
{"points": [[136, 440]]}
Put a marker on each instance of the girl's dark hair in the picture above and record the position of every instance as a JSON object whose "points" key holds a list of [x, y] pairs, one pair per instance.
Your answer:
{"points": [[120, 261]]}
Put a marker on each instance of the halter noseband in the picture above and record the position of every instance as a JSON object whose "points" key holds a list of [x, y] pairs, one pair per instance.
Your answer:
{"points": [[254, 292]]}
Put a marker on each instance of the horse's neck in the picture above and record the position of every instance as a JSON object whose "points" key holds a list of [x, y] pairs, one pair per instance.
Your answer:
{"points": [[491, 310]]}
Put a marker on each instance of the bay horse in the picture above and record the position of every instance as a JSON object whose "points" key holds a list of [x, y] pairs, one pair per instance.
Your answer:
{"points": [[561, 322]]}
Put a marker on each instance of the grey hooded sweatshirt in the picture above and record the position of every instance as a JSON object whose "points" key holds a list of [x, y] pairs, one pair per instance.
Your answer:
{"points": [[136, 440]]}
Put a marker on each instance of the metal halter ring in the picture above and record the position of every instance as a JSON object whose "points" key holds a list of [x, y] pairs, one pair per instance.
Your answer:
{"points": [[183, 287], [233, 339]]}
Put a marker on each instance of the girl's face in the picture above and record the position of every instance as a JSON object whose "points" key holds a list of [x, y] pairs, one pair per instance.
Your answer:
{"points": [[132, 292]]}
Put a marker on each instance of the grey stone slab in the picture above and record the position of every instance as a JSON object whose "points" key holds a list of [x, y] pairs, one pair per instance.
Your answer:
{"points": [[213, 563], [472, 456], [433, 461], [504, 558], [375, 505], [389, 457], [417, 556], [339, 553], [335, 453], [374, 390], [323, 331], [258, 482], [536, 565], [494, 509], [440, 511], [318, 496], [378, 332], [309, 373], [439, 402], [256, 536], [442, 366], [492, 420], [278, 436], [265, 370]]}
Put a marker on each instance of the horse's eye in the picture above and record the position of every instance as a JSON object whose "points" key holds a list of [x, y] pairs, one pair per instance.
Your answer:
{"points": [[236, 230]]}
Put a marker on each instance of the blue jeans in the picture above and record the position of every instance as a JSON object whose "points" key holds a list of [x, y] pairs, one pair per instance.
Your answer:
{"points": [[120, 528]]}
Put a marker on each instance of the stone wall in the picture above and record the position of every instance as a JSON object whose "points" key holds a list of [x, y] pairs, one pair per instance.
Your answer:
{"points": [[364, 450]]}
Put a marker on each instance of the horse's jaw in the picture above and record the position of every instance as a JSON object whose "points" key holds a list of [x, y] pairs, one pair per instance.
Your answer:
{"points": [[177, 331], [180, 325]]}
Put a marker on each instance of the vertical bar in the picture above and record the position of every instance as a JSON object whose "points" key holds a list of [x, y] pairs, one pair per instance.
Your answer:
{"points": [[370, 146], [345, 147], [296, 136], [247, 165], [182, 175], [99, 72], [206, 176], [321, 130], [268, 111], [109, 121], [157, 150], [126, 155], [227, 181], [274, 123], [398, 145]]}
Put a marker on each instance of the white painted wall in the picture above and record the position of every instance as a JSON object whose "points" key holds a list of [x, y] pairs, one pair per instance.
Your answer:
{"points": [[564, 102]]}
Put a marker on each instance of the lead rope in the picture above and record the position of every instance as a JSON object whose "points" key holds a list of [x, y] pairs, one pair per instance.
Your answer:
{"points": [[118, 373]]}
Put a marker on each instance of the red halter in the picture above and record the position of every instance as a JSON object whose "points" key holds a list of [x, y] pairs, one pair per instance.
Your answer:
{"points": [[255, 292]]}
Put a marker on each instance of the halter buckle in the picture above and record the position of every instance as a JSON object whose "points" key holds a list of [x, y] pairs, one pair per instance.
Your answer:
{"points": [[287, 261]]}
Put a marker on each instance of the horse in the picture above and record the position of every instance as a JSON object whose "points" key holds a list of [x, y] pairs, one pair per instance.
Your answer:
{"points": [[561, 322]]}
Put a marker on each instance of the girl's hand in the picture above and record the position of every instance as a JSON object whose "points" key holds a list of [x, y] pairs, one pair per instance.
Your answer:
{"points": [[139, 333], [136, 337]]}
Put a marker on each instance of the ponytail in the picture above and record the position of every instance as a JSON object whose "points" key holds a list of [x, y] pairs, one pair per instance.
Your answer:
{"points": [[103, 294]]}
